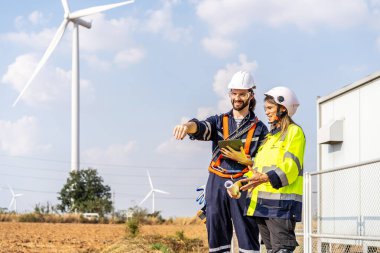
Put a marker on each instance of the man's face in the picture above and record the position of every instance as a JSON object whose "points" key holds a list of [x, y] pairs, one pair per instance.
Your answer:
{"points": [[240, 98]]}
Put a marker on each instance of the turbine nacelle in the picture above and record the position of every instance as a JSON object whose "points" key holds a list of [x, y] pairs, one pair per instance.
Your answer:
{"points": [[82, 22]]}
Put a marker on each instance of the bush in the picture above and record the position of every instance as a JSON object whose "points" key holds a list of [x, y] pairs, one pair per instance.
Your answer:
{"points": [[180, 235], [161, 247], [31, 217], [133, 227], [70, 218], [7, 217]]}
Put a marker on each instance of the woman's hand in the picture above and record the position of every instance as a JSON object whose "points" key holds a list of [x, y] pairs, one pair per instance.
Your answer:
{"points": [[257, 179], [238, 156]]}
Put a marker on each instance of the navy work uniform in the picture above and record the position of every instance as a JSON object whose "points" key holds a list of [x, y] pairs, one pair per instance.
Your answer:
{"points": [[223, 212]]}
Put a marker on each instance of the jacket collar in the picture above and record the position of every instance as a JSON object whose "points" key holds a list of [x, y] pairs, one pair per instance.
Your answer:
{"points": [[250, 116], [275, 130]]}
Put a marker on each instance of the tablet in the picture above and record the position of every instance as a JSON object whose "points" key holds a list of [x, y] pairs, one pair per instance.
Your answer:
{"points": [[234, 144]]}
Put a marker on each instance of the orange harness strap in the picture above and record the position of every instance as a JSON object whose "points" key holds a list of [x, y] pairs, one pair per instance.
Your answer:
{"points": [[223, 172], [225, 127]]}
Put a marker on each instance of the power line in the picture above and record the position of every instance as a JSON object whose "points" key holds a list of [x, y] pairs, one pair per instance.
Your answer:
{"points": [[60, 179], [103, 173], [108, 165]]}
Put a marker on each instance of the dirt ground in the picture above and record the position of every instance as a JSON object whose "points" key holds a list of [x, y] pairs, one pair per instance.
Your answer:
{"points": [[78, 238]]}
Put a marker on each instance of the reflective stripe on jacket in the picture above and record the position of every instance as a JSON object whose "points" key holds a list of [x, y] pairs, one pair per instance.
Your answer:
{"points": [[281, 158]]}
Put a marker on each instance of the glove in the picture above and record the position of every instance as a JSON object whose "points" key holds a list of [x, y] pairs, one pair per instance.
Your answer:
{"points": [[202, 195]]}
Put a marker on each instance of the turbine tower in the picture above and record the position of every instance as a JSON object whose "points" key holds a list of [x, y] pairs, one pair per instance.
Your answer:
{"points": [[76, 18], [151, 192], [14, 199]]}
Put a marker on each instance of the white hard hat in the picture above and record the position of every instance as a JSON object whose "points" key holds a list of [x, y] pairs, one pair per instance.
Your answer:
{"points": [[242, 80], [286, 97]]}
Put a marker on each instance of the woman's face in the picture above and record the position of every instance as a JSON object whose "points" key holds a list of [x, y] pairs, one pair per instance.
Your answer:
{"points": [[270, 111]]}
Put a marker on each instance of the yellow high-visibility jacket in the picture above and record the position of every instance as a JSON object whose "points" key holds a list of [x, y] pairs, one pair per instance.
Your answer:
{"points": [[281, 158]]}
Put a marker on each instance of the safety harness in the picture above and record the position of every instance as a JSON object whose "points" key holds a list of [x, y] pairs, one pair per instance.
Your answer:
{"points": [[215, 165]]}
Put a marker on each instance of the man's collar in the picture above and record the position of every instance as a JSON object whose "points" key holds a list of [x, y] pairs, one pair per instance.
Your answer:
{"points": [[251, 115]]}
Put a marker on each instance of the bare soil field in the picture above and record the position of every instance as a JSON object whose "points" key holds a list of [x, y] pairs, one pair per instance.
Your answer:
{"points": [[80, 238]]}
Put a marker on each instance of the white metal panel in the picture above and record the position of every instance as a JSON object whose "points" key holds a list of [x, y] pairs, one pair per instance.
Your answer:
{"points": [[342, 210], [326, 115], [369, 119], [347, 107]]}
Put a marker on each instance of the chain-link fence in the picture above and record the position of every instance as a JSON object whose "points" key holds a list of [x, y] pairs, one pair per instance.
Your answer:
{"points": [[342, 210]]}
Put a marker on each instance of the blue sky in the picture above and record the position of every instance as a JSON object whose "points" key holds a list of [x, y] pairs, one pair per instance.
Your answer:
{"points": [[148, 66]]}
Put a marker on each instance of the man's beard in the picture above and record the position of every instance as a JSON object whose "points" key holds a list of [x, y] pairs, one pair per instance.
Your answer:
{"points": [[241, 106]]}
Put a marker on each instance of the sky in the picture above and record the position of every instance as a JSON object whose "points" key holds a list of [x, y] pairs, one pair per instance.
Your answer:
{"points": [[151, 65]]}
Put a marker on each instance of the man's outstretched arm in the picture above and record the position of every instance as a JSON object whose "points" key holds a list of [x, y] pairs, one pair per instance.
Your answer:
{"points": [[180, 131]]}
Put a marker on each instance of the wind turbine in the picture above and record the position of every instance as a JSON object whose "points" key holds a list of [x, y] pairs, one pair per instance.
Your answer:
{"points": [[14, 199], [151, 192], [76, 18]]}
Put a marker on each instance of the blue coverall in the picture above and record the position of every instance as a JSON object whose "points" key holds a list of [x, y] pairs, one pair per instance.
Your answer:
{"points": [[223, 212]]}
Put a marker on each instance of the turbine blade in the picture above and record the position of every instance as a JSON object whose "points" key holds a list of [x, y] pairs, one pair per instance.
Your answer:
{"points": [[18, 195], [160, 191], [65, 6], [97, 9], [11, 190], [57, 37], [146, 197], [150, 180]]}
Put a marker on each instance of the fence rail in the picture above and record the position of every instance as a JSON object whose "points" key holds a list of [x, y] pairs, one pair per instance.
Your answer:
{"points": [[344, 214]]}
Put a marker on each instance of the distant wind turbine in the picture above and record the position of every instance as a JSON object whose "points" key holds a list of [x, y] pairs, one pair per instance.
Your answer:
{"points": [[151, 192], [75, 18], [14, 199]]}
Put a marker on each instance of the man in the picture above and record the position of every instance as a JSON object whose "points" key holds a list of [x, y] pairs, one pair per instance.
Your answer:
{"points": [[241, 123]]}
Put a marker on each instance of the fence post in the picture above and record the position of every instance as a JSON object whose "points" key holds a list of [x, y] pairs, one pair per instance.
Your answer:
{"points": [[307, 219]]}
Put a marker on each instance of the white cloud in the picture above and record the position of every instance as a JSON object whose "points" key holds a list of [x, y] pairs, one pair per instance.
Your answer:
{"points": [[204, 112], [36, 17], [95, 62], [220, 83], [39, 40], [113, 154], [33, 19], [19, 22], [20, 137], [129, 56], [219, 46], [224, 75], [233, 17], [49, 85], [101, 37], [108, 34], [184, 148], [160, 22]]}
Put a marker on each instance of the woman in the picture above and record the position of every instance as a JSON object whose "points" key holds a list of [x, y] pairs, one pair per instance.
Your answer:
{"points": [[275, 182]]}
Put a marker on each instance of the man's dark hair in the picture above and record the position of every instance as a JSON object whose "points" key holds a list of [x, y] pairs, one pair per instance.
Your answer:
{"points": [[252, 103]]}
